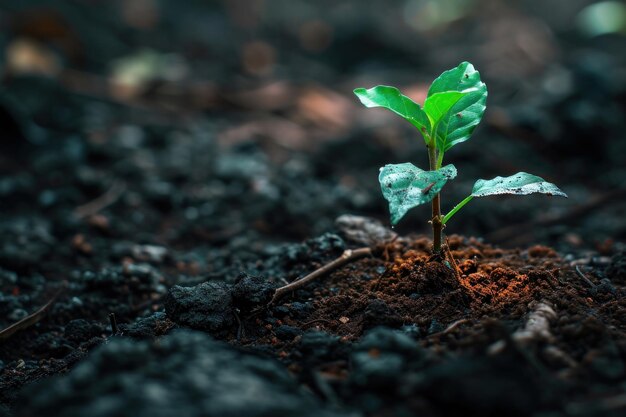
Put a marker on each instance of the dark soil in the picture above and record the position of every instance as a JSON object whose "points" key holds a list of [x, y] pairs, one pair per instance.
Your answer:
{"points": [[397, 333], [155, 221]]}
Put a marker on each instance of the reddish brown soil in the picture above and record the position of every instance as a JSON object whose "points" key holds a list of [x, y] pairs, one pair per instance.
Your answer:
{"points": [[489, 296]]}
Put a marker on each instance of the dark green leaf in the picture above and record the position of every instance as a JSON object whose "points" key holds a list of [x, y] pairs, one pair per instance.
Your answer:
{"points": [[405, 186], [458, 124], [391, 98], [521, 183]]}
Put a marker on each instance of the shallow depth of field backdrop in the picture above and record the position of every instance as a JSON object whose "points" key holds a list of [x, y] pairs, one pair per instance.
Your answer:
{"points": [[204, 134], [262, 89]]}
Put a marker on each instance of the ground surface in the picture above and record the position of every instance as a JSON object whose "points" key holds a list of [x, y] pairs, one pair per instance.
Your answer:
{"points": [[179, 203]]}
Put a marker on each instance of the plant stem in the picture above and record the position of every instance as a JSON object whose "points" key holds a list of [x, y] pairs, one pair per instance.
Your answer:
{"points": [[436, 220], [456, 208], [440, 160]]}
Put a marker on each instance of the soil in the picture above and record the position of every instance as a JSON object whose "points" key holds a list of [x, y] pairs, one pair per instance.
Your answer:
{"points": [[145, 228], [400, 332]]}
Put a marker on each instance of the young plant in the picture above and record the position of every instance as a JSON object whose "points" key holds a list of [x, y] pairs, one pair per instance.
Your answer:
{"points": [[453, 108]]}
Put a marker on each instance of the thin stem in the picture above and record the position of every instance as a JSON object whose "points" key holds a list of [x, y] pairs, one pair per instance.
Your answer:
{"points": [[456, 208], [436, 206], [440, 159]]}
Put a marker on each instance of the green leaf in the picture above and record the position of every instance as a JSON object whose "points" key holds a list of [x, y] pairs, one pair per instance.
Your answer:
{"points": [[521, 183], [458, 124], [391, 98], [437, 105], [405, 186]]}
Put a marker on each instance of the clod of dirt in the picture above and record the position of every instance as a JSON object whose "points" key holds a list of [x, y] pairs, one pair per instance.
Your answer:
{"points": [[183, 374], [380, 359], [116, 280], [322, 248], [80, 330], [318, 346], [251, 291], [154, 325], [287, 333], [207, 306]]}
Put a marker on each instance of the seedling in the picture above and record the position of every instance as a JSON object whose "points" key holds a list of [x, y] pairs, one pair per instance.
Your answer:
{"points": [[453, 108]]}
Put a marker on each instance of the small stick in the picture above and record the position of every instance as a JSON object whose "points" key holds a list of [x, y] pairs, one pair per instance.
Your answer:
{"points": [[113, 322], [240, 329], [454, 325], [100, 203], [31, 319], [584, 277], [347, 256]]}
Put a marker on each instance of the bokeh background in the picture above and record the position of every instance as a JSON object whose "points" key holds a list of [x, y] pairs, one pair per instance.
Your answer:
{"points": [[229, 124]]}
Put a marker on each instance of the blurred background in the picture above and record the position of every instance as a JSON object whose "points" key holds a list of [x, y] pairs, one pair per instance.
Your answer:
{"points": [[229, 124]]}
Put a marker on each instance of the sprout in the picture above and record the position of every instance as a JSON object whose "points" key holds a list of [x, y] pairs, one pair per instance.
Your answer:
{"points": [[454, 106]]}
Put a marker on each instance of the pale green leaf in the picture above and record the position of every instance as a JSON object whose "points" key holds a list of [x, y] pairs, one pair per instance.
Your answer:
{"points": [[437, 105], [521, 183], [391, 99], [458, 124], [405, 186]]}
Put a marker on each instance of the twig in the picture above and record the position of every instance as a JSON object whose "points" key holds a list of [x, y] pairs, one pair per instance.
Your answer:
{"points": [[451, 327], [537, 327], [31, 319], [113, 322], [240, 330], [584, 277], [347, 256], [536, 330], [100, 203]]}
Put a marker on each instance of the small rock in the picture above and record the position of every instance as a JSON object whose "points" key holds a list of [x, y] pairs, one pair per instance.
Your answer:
{"points": [[364, 230], [207, 306], [320, 346], [300, 310], [285, 332], [149, 253]]}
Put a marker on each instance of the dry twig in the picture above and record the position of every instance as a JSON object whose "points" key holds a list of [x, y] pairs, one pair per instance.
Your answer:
{"points": [[451, 327], [584, 277], [102, 202], [349, 255], [31, 319]]}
